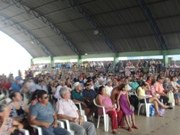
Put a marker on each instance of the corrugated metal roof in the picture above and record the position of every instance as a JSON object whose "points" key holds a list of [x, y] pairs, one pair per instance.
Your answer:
{"points": [[122, 22]]}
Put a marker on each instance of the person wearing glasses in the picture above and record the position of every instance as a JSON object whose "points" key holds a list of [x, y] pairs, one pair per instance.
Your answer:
{"points": [[42, 114]]}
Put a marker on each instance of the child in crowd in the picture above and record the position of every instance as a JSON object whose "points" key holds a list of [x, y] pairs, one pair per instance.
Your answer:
{"points": [[126, 107]]}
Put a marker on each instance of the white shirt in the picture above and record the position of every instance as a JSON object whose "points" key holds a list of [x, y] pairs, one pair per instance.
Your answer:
{"points": [[57, 95], [67, 107], [41, 87]]}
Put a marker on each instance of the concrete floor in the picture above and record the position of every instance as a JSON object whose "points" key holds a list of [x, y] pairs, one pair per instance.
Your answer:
{"points": [[167, 125]]}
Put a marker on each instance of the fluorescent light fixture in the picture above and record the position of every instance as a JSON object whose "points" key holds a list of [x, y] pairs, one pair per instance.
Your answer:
{"points": [[123, 58], [64, 61], [174, 57], [99, 59], [140, 57]]}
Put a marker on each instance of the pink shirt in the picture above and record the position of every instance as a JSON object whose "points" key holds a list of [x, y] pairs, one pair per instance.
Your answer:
{"points": [[67, 107], [152, 90], [159, 87], [106, 102]]}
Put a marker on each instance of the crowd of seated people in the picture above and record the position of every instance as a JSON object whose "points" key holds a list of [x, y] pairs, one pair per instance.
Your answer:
{"points": [[44, 98]]}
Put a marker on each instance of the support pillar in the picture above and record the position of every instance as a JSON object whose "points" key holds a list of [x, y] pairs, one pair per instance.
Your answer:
{"points": [[32, 63], [51, 61], [79, 60], [116, 56], [165, 58]]}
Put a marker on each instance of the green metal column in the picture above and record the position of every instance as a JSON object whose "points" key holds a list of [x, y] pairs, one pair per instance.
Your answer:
{"points": [[32, 63], [165, 58], [52, 61], [79, 60], [116, 55]]}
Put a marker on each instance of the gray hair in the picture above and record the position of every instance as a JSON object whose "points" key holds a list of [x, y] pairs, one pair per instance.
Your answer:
{"points": [[63, 91], [3, 105]]}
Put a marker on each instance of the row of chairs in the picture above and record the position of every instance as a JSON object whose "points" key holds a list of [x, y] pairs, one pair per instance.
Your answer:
{"points": [[106, 119]]}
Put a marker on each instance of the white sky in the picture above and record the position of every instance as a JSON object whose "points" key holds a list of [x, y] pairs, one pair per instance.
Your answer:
{"points": [[12, 56]]}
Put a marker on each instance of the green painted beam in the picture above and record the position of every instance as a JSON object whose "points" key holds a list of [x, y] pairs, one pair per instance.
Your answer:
{"points": [[98, 55], [122, 54], [40, 60], [65, 57]]}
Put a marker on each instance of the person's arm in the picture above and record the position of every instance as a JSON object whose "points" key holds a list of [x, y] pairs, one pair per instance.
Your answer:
{"points": [[177, 85], [113, 96], [34, 121], [33, 118], [55, 120], [128, 99], [17, 125], [99, 99], [173, 85], [63, 116], [118, 105]]}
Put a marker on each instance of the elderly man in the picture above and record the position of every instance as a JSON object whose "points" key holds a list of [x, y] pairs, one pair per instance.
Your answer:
{"points": [[42, 114], [66, 109], [77, 97]]}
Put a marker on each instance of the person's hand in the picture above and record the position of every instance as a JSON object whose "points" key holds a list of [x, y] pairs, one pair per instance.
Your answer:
{"points": [[75, 120], [118, 109], [55, 125], [12, 129], [46, 124], [84, 104], [176, 91]]}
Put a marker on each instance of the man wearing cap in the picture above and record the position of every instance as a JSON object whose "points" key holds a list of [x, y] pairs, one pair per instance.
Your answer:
{"points": [[77, 96]]}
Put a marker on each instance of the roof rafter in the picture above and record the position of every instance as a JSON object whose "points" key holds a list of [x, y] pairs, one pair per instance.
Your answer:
{"points": [[45, 20], [22, 29], [152, 22], [86, 14]]}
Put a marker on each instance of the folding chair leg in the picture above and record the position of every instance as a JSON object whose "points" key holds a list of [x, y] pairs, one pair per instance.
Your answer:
{"points": [[105, 123], [147, 110], [99, 117]]}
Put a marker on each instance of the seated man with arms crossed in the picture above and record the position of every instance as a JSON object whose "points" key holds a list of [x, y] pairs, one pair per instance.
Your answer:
{"points": [[42, 114], [66, 109]]}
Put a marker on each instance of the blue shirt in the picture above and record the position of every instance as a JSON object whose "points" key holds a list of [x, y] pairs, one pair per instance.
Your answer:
{"points": [[89, 94], [43, 113], [15, 87]]}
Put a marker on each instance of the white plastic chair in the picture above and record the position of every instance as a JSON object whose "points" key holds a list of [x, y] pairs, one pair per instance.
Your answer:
{"points": [[104, 115], [67, 124], [146, 105], [39, 130], [24, 131], [82, 112]]}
